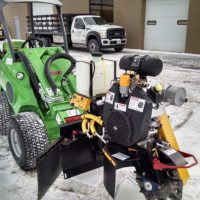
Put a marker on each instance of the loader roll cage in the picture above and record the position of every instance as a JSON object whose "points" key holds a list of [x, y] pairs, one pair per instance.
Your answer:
{"points": [[58, 6]]}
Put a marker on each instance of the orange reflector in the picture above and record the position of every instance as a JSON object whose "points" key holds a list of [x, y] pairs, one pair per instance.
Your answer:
{"points": [[72, 119]]}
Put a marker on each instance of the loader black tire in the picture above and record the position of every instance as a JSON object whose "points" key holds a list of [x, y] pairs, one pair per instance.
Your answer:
{"points": [[5, 113], [27, 138]]}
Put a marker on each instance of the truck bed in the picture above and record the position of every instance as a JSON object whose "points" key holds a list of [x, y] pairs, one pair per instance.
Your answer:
{"points": [[49, 24]]}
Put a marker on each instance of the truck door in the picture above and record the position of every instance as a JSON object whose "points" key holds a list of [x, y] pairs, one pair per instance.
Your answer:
{"points": [[78, 32]]}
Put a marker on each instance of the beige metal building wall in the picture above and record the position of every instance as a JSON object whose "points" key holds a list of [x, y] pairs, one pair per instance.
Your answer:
{"points": [[13, 10], [75, 6], [20, 10], [193, 32], [131, 14]]}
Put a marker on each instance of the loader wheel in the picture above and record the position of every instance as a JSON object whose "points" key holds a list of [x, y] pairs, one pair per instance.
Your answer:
{"points": [[93, 46], [27, 138], [171, 189], [5, 113]]}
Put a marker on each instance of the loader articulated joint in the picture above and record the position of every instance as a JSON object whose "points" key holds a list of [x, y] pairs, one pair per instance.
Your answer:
{"points": [[48, 65]]}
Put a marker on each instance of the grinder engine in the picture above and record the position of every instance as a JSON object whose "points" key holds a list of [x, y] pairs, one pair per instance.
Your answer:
{"points": [[128, 107]]}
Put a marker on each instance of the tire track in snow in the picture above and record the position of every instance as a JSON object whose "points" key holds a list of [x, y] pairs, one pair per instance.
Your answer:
{"points": [[187, 118]]}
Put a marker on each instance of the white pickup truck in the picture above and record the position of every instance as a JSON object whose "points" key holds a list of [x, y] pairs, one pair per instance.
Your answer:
{"points": [[88, 31]]}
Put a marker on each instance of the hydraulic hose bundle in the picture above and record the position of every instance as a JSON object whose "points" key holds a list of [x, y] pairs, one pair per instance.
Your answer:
{"points": [[88, 125]]}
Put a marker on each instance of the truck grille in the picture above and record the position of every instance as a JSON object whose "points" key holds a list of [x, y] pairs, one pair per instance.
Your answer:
{"points": [[116, 33]]}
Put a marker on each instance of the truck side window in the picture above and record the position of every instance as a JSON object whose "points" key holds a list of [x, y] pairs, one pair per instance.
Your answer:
{"points": [[79, 24]]}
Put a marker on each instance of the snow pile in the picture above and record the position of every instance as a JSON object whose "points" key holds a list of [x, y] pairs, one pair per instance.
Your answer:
{"points": [[179, 70]]}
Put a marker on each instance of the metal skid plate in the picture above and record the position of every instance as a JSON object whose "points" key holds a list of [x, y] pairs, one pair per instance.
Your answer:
{"points": [[116, 157], [80, 156], [48, 168], [73, 157]]}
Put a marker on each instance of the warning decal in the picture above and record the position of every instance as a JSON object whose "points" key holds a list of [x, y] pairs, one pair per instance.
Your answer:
{"points": [[73, 112], [120, 106], [136, 104], [110, 97], [121, 156]]}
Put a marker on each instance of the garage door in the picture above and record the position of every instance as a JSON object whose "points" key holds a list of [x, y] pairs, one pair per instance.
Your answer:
{"points": [[42, 9], [166, 25]]}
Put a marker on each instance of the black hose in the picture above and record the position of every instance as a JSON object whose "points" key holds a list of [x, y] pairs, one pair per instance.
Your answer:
{"points": [[48, 65], [30, 70], [32, 39]]}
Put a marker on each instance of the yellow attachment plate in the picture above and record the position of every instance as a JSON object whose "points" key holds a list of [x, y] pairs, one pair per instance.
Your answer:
{"points": [[167, 134], [81, 102]]}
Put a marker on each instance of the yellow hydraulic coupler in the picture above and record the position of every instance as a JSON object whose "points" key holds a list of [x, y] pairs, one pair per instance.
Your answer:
{"points": [[167, 134]]}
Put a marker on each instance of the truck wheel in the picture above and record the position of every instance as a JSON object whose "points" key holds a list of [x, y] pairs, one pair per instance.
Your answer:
{"points": [[119, 49], [5, 113], [46, 41], [27, 138], [93, 46]]}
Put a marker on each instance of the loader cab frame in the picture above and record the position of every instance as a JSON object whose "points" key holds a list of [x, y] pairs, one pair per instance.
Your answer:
{"points": [[57, 5]]}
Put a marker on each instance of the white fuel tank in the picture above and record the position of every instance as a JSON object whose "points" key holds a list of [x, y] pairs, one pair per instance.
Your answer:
{"points": [[100, 75]]}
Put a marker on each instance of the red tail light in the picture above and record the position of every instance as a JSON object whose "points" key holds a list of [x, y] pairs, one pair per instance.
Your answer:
{"points": [[72, 119]]}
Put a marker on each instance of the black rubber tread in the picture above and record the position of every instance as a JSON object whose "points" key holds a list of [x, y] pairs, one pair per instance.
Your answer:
{"points": [[5, 113], [50, 41], [119, 49], [51, 60], [97, 44], [33, 138]]}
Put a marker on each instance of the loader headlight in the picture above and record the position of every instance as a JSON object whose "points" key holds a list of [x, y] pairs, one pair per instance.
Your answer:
{"points": [[103, 34]]}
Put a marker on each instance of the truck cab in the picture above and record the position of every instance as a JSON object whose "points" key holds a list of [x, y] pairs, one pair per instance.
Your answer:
{"points": [[94, 32]]}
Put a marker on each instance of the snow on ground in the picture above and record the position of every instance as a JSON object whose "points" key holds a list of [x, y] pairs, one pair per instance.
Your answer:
{"points": [[179, 70]]}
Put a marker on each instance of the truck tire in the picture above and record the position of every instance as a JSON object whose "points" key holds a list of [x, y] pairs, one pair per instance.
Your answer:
{"points": [[93, 46], [119, 49], [27, 138], [46, 41], [5, 113]]}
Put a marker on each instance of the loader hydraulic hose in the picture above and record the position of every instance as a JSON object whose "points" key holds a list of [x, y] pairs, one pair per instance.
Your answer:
{"points": [[84, 125], [30, 70], [92, 127], [32, 39], [93, 119], [48, 65], [97, 119]]}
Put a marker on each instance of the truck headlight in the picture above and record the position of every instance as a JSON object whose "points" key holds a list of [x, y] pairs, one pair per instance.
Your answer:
{"points": [[103, 34]]}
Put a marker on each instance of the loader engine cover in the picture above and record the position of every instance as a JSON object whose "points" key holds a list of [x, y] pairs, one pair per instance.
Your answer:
{"points": [[127, 119]]}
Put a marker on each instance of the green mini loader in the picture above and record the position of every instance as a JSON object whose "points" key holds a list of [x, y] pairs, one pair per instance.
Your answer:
{"points": [[36, 84]]}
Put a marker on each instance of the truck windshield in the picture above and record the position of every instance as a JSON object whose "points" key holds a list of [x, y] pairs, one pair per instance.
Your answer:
{"points": [[94, 21]]}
